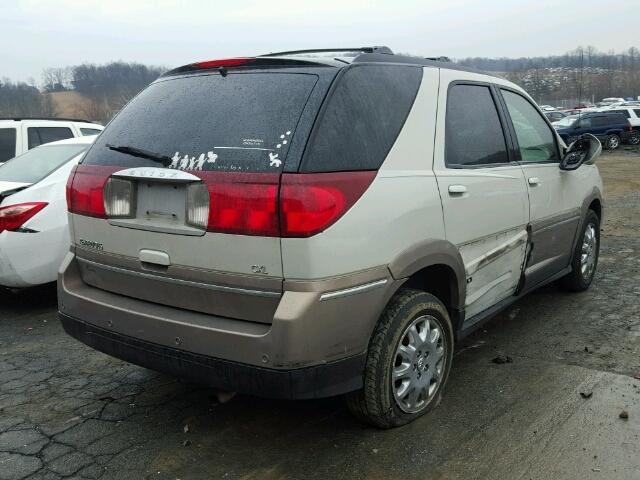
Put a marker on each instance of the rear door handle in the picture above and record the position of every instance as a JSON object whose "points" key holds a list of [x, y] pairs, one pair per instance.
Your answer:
{"points": [[534, 181], [457, 189]]}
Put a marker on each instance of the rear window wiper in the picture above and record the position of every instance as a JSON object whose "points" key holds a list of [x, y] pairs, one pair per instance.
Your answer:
{"points": [[138, 152]]}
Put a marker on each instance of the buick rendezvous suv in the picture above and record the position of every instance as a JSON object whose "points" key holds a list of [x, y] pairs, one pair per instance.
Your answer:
{"points": [[308, 224]]}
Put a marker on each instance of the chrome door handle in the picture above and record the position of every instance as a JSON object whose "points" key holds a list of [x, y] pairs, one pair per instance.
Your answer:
{"points": [[534, 181], [457, 189]]}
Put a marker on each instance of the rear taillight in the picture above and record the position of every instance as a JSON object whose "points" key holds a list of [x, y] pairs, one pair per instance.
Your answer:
{"points": [[303, 205], [85, 190], [310, 203], [243, 203], [119, 198], [14, 216], [227, 62]]}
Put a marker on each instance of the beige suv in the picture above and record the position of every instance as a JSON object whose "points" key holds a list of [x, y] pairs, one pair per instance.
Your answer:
{"points": [[308, 224]]}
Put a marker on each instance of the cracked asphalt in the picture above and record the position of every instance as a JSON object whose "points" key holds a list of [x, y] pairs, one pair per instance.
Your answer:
{"points": [[67, 411]]}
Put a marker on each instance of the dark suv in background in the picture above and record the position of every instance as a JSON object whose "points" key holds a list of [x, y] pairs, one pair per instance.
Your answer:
{"points": [[611, 128]]}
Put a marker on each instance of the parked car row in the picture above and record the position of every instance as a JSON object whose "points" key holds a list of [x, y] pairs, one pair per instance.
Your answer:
{"points": [[18, 135]]}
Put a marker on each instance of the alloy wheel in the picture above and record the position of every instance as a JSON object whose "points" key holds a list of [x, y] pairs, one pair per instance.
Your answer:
{"points": [[419, 364], [589, 252]]}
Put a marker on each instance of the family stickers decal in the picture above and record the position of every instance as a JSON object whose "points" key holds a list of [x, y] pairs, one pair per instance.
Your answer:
{"points": [[186, 162]]}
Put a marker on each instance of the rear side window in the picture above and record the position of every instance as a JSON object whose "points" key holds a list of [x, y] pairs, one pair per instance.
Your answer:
{"points": [[536, 141], [7, 143], [40, 135], [637, 112], [361, 118], [626, 113], [242, 122], [90, 131], [473, 133]]}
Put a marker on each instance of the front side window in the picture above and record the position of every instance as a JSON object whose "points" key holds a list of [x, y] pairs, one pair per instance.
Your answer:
{"points": [[7, 143], [473, 133], [584, 123], [41, 135], [536, 141]]}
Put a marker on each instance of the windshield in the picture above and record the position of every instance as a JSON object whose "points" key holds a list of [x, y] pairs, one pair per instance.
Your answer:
{"points": [[566, 121], [36, 164], [240, 122]]}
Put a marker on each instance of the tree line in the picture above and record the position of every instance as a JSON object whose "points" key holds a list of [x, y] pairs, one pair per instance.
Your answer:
{"points": [[584, 74], [104, 88]]}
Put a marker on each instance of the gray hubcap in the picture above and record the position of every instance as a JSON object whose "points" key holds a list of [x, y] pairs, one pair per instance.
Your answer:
{"points": [[589, 250], [419, 364], [614, 142]]}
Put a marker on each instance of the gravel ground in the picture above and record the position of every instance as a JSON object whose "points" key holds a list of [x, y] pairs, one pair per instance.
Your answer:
{"points": [[67, 411]]}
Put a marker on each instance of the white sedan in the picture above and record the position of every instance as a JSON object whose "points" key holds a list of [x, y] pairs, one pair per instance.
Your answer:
{"points": [[34, 236]]}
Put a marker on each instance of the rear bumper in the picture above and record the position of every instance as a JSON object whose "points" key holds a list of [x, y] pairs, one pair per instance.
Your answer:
{"points": [[313, 346], [325, 380]]}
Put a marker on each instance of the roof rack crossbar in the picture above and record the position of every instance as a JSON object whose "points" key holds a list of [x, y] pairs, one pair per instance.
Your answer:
{"points": [[377, 49]]}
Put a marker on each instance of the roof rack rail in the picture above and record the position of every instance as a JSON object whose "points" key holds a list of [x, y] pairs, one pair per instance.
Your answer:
{"points": [[376, 49], [64, 119], [441, 58]]}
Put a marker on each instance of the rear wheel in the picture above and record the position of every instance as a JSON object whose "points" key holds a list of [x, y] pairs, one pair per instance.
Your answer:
{"points": [[613, 142], [585, 256], [408, 362]]}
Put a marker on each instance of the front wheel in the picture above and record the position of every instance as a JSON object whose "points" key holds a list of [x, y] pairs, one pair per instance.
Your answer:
{"points": [[408, 361], [585, 257], [613, 142], [634, 139]]}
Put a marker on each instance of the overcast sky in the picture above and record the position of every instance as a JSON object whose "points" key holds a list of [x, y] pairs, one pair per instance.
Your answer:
{"points": [[36, 34]]}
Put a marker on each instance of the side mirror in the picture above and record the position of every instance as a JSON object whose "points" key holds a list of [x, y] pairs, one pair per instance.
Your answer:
{"points": [[585, 149]]}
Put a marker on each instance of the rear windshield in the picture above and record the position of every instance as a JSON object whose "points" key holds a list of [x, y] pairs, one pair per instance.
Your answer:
{"points": [[36, 164], [239, 122]]}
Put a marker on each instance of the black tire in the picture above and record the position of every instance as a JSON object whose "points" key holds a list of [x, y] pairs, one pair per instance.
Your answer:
{"points": [[375, 403], [634, 139], [613, 142], [577, 281]]}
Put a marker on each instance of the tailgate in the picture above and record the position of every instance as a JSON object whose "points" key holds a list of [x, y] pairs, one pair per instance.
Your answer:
{"points": [[173, 203]]}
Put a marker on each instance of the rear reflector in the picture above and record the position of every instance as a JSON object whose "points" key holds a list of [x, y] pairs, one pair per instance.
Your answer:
{"points": [[227, 62], [119, 198], [197, 205], [14, 216]]}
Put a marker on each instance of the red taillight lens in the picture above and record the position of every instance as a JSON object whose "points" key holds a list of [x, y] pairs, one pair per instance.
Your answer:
{"points": [[243, 203], [85, 190], [301, 206], [227, 62], [14, 216], [311, 203]]}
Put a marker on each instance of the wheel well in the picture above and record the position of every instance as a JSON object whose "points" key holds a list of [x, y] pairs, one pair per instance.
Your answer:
{"points": [[440, 281], [596, 206]]}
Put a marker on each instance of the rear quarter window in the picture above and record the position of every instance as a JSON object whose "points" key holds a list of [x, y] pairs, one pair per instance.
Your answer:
{"points": [[361, 118], [7, 143]]}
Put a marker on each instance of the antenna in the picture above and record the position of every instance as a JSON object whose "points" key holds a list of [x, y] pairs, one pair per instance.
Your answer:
{"points": [[580, 85]]}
